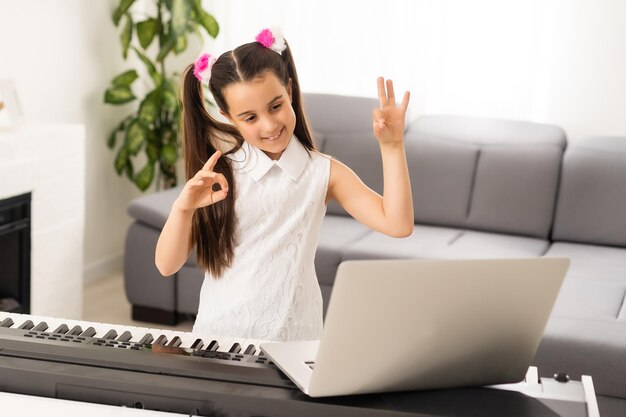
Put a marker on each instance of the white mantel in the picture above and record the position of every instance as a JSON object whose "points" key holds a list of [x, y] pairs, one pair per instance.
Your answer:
{"points": [[49, 161]]}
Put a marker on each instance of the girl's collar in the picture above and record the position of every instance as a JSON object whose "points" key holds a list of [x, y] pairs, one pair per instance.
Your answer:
{"points": [[256, 163]]}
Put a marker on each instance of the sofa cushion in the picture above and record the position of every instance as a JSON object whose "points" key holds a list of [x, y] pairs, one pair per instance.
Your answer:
{"points": [[444, 243], [154, 209], [595, 285], [592, 196], [513, 179], [346, 126], [441, 174], [424, 242], [515, 188], [474, 244]]}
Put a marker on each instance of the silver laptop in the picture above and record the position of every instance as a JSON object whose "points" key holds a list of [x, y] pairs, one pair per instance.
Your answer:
{"points": [[397, 325]]}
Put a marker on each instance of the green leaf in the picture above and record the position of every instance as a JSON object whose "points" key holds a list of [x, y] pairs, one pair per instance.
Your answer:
{"points": [[167, 46], [180, 16], [150, 108], [111, 141], [152, 151], [170, 102], [120, 160], [144, 177], [181, 44], [118, 95], [168, 154], [196, 4], [156, 76], [209, 23], [121, 10], [129, 169], [135, 137], [125, 79], [127, 34], [146, 31], [151, 137]]}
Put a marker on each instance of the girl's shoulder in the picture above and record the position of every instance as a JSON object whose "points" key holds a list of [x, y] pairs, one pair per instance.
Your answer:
{"points": [[319, 154]]}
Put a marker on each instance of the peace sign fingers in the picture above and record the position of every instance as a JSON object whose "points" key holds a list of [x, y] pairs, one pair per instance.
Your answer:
{"points": [[387, 97], [389, 117]]}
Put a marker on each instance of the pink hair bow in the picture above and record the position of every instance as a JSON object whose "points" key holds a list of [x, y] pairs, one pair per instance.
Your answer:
{"points": [[272, 39], [202, 67]]}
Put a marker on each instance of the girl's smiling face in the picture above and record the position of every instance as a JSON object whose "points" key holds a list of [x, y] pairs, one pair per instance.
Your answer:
{"points": [[261, 110]]}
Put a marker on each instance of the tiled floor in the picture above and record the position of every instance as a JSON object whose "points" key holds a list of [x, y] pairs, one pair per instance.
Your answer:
{"points": [[105, 302]]}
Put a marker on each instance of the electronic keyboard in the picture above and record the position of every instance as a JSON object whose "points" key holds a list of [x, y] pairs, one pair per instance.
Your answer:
{"points": [[196, 374]]}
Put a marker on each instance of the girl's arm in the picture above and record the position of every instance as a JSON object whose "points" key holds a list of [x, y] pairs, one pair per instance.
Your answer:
{"points": [[174, 244], [391, 213]]}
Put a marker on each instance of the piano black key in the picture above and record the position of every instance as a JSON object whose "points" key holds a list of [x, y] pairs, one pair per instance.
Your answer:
{"points": [[213, 346], [75, 331], [175, 342], [249, 350], [197, 344], [161, 340], [90, 332], [27, 325], [6, 322], [125, 337], [62, 329], [146, 339], [110, 335], [41, 327], [235, 348]]}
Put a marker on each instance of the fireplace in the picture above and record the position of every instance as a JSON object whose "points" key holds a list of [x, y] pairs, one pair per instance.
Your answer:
{"points": [[15, 254]]}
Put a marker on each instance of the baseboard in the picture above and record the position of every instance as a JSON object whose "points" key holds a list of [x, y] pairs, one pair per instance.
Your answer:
{"points": [[103, 268]]}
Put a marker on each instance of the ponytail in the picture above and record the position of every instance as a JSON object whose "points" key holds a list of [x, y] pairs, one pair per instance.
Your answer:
{"points": [[213, 227], [302, 131]]}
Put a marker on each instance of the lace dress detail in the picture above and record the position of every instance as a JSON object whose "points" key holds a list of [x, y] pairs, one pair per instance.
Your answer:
{"points": [[271, 291]]}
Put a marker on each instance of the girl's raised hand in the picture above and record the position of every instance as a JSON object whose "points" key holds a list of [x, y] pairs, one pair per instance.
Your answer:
{"points": [[389, 118], [198, 191]]}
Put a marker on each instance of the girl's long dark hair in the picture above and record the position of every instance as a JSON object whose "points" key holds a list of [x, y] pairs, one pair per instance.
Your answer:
{"points": [[213, 227]]}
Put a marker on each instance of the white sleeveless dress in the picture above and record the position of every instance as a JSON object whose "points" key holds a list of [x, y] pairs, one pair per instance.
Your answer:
{"points": [[271, 291]]}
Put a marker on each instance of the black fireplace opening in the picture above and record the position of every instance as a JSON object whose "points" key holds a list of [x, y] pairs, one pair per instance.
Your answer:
{"points": [[15, 254]]}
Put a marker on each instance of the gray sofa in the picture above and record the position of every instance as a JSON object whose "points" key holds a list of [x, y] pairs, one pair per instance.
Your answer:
{"points": [[482, 188]]}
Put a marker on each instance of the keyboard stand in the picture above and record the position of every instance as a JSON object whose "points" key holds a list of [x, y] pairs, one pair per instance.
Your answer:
{"points": [[565, 397]]}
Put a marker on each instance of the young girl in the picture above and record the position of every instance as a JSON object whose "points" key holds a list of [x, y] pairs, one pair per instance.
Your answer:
{"points": [[254, 212]]}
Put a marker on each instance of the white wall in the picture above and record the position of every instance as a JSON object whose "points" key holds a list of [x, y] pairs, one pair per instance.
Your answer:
{"points": [[61, 55], [554, 61]]}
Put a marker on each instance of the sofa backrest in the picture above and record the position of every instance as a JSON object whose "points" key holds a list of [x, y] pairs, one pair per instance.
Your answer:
{"points": [[591, 206], [478, 173], [485, 174], [343, 126]]}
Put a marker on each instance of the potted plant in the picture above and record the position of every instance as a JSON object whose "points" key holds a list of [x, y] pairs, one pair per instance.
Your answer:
{"points": [[154, 125]]}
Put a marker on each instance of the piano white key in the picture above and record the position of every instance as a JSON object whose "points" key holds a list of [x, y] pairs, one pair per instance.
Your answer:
{"points": [[225, 343], [4, 315], [186, 338], [156, 332]]}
